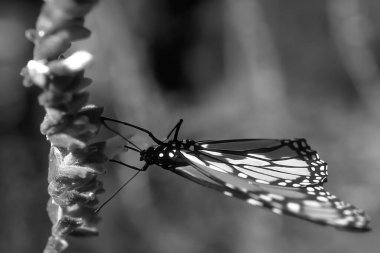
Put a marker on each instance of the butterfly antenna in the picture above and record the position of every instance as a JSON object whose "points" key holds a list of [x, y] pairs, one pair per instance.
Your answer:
{"points": [[116, 192], [177, 127], [116, 132], [103, 119]]}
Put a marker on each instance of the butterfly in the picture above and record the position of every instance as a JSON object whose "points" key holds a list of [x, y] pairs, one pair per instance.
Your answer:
{"points": [[285, 176]]}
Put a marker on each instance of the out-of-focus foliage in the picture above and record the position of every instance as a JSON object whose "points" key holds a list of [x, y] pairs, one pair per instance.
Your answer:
{"points": [[230, 69]]}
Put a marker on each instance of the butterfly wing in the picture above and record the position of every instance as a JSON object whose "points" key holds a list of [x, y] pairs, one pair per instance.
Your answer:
{"points": [[312, 203], [286, 162]]}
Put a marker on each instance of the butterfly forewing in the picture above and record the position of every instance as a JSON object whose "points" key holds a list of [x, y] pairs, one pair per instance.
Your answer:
{"points": [[290, 163]]}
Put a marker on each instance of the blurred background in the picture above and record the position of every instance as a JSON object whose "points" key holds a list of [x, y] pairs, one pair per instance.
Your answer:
{"points": [[230, 69]]}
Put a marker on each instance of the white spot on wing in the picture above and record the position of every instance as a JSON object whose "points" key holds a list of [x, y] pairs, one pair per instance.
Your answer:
{"points": [[293, 207], [323, 199], [229, 194], [243, 189], [261, 181], [242, 175], [254, 202], [341, 222], [230, 185]]}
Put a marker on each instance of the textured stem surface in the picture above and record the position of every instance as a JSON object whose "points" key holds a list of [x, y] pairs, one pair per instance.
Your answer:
{"points": [[69, 124]]}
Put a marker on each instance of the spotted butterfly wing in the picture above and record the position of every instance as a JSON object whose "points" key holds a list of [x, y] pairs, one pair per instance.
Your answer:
{"points": [[290, 163], [312, 203]]}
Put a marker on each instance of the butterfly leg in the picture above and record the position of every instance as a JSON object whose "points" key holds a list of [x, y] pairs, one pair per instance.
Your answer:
{"points": [[132, 148], [129, 166], [104, 119]]}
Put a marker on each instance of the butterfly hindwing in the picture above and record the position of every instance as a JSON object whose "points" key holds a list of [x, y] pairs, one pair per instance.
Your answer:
{"points": [[290, 163], [312, 203]]}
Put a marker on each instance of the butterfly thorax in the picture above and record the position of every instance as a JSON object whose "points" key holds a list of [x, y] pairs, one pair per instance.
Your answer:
{"points": [[167, 155]]}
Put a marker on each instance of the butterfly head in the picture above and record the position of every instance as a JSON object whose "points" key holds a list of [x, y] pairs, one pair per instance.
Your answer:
{"points": [[147, 155]]}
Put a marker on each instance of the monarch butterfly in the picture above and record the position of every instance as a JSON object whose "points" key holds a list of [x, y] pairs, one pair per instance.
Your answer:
{"points": [[282, 175]]}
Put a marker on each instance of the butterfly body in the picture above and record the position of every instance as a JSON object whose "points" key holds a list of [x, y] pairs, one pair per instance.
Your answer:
{"points": [[166, 155], [285, 176]]}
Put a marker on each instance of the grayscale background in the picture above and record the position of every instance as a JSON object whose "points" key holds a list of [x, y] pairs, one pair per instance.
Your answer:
{"points": [[230, 69]]}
